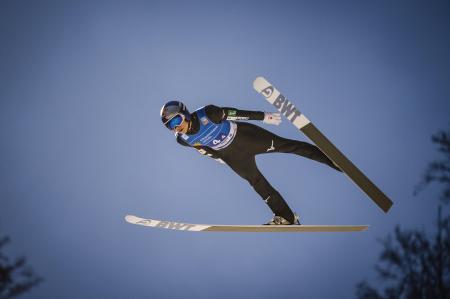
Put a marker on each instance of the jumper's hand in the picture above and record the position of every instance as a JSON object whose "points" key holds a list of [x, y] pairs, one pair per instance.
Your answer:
{"points": [[272, 118], [220, 161], [205, 153], [201, 151]]}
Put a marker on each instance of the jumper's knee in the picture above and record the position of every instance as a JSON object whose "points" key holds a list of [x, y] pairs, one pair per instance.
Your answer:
{"points": [[262, 187]]}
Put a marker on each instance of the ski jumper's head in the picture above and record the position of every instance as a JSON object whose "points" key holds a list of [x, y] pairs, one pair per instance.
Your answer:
{"points": [[175, 116]]}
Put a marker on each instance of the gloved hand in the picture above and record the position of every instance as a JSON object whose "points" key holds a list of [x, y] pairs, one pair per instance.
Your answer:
{"points": [[205, 153], [201, 151], [220, 161], [272, 118]]}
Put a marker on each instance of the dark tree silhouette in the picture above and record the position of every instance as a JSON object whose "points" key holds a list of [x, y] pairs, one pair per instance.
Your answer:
{"points": [[439, 170], [16, 277], [411, 264]]}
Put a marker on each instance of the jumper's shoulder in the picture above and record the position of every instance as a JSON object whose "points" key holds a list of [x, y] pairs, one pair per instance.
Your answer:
{"points": [[215, 113], [180, 139]]}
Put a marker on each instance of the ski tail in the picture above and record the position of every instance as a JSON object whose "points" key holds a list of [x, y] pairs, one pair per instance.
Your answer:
{"points": [[350, 169]]}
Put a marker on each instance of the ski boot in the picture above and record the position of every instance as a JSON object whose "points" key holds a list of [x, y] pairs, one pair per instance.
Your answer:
{"points": [[278, 220]]}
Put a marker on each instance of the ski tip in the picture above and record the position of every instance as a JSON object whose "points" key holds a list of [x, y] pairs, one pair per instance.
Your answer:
{"points": [[130, 218], [259, 83]]}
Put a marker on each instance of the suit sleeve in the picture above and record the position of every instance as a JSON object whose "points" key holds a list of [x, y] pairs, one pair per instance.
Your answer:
{"points": [[219, 114]]}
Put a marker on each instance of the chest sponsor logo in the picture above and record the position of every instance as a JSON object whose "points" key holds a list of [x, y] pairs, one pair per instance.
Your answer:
{"points": [[210, 134], [204, 120]]}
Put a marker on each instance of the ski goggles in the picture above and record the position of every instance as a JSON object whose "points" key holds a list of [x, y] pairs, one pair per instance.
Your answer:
{"points": [[175, 121]]}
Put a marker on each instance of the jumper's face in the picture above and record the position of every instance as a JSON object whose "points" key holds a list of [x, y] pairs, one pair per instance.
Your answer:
{"points": [[183, 127]]}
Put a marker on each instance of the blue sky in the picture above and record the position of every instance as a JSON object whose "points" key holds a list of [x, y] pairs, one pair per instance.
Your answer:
{"points": [[82, 145]]}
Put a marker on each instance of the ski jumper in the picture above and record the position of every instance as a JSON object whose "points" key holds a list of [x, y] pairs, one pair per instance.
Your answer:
{"points": [[214, 132]]}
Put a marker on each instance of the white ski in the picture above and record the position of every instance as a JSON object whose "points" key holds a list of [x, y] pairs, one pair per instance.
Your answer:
{"points": [[302, 123], [242, 228]]}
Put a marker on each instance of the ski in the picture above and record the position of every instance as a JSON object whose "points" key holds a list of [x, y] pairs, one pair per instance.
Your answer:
{"points": [[242, 228], [301, 122]]}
